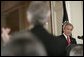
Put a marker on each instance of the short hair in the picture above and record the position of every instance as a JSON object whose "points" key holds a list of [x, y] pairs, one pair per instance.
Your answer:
{"points": [[67, 23], [24, 44], [38, 12], [75, 50]]}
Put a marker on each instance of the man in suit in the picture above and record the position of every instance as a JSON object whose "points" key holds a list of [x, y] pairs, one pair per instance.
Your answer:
{"points": [[38, 14], [65, 39]]}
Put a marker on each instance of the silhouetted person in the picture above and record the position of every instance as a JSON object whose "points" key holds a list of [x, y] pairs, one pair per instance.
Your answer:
{"points": [[23, 44], [38, 14], [75, 50]]}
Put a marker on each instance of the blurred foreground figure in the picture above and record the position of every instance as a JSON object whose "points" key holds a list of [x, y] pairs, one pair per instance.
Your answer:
{"points": [[38, 15], [23, 44], [38, 12], [75, 50]]}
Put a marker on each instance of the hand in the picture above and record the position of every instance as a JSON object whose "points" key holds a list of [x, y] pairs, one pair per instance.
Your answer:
{"points": [[5, 34]]}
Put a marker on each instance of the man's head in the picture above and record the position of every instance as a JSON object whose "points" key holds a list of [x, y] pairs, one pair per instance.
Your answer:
{"points": [[38, 12], [67, 28], [75, 50], [23, 44]]}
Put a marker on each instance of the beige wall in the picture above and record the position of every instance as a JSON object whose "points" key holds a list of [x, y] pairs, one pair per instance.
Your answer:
{"points": [[75, 14], [56, 11], [76, 9]]}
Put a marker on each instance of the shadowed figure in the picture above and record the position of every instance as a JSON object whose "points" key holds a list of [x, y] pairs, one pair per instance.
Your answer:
{"points": [[75, 50], [38, 14], [23, 44]]}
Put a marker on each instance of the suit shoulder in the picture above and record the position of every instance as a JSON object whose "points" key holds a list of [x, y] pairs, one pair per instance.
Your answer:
{"points": [[60, 36]]}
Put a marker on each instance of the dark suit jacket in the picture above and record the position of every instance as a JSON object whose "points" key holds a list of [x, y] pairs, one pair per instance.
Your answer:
{"points": [[55, 45], [62, 44], [47, 39]]}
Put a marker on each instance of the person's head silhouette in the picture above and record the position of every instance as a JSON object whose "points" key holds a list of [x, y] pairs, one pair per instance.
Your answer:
{"points": [[23, 44], [38, 12]]}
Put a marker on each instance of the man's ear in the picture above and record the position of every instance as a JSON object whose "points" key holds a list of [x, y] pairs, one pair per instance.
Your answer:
{"points": [[48, 16], [29, 16]]}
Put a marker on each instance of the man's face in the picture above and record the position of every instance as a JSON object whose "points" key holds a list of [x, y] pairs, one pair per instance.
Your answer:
{"points": [[67, 30]]}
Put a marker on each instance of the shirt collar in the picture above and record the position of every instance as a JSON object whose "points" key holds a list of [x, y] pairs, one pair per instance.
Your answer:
{"points": [[65, 36]]}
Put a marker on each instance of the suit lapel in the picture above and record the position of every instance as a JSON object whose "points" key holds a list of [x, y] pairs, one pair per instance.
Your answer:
{"points": [[64, 39]]}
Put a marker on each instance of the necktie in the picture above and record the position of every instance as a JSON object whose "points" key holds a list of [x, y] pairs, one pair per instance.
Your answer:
{"points": [[68, 40]]}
